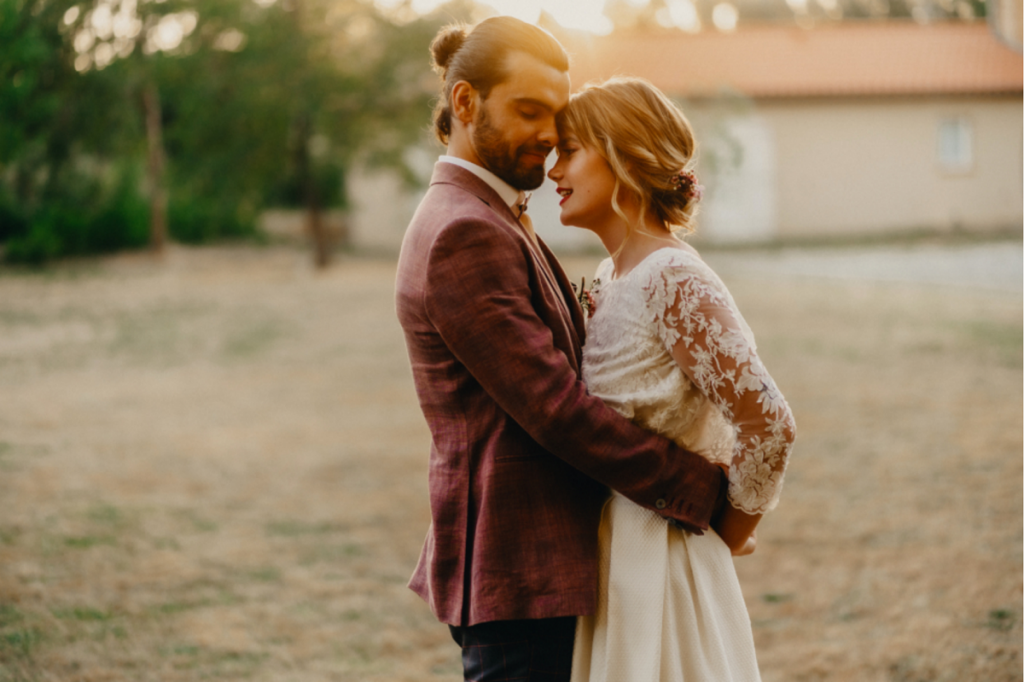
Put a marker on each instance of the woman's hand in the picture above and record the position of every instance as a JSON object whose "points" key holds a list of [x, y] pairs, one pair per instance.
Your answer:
{"points": [[736, 528], [748, 547]]}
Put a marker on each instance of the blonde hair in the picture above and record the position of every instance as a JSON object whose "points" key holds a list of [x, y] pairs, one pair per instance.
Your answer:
{"points": [[646, 141]]}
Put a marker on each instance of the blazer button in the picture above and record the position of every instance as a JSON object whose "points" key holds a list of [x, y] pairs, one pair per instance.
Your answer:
{"points": [[660, 504]]}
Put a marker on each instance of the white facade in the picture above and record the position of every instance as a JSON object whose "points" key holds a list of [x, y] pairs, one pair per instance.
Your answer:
{"points": [[869, 166], [382, 208], [799, 168]]}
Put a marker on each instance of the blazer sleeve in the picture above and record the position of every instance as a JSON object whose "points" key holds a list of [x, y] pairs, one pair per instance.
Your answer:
{"points": [[478, 297]]}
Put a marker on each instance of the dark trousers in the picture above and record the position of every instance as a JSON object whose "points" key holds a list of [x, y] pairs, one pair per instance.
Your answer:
{"points": [[520, 650]]}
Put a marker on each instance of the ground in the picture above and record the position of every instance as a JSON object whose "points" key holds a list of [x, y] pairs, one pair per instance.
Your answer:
{"points": [[214, 467]]}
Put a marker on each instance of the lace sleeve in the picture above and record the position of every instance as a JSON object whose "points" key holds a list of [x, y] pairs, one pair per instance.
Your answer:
{"points": [[701, 328]]}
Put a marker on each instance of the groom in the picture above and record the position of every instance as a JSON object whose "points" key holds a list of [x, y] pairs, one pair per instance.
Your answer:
{"points": [[521, 454]]}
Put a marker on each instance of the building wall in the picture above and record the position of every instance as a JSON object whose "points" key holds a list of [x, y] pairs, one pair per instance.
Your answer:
{"points": [[872, 166], [382, 208], [791, 169], [736, 162]]}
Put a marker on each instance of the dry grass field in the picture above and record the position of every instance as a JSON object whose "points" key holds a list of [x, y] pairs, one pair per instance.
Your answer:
{"points": [[214, 467]]}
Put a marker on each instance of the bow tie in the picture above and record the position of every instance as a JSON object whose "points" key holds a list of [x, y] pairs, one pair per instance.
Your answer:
{"points": [[522, 201]]}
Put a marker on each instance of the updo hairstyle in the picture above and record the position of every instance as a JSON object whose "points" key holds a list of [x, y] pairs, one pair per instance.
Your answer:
{"points": [[646, 141], [477, 55]]}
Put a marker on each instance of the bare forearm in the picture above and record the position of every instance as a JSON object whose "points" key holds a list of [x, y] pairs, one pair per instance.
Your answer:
{"points": [[735, 527]]}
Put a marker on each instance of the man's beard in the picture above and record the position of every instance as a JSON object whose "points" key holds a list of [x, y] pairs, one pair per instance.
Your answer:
{"points": [[498, 156]]}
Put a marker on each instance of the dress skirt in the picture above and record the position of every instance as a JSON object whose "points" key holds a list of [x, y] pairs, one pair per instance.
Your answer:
{"points": [[670, 608]]}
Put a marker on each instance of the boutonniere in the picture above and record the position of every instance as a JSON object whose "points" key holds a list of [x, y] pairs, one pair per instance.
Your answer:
{"points": [[586, 296]]}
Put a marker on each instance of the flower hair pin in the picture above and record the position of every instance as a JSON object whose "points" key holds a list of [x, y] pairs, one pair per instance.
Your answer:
{"points": [[686, 181]]}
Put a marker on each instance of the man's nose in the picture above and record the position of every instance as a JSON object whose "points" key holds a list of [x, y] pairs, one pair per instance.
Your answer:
{"points": [[549, 133]]}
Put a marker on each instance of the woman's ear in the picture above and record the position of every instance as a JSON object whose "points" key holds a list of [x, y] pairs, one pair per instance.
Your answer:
{"points": [[465, 100], [628, 196]]}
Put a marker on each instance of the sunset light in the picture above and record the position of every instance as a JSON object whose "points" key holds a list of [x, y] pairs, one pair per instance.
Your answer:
{"points": [[584, 15]]}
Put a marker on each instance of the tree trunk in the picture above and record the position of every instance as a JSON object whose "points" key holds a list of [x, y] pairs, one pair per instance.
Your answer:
{"points": [[155, 170], [311, 195]]}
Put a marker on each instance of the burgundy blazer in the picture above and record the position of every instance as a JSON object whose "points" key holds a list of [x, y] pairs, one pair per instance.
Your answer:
{"points": [[521, 454]]}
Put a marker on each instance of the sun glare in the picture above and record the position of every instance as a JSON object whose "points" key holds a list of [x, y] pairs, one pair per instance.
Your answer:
{"points": [[583, 15], [725, 16]]}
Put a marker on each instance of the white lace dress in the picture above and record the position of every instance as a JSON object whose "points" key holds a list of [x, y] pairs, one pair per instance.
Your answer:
{"points": [[668, 348]]}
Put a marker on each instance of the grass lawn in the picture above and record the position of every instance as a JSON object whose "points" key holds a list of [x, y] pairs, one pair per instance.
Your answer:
{"points": [[214, 467]]}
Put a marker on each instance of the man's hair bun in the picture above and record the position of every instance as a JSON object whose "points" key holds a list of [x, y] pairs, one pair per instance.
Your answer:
{"points": [[447, 43], [477, 55]]}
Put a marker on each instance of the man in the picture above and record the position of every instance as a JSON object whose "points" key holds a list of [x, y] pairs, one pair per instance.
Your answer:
{"points": [[521, 454]]}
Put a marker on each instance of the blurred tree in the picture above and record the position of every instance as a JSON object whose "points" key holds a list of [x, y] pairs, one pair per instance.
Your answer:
{"points": [[53, 127], [235, 103]]}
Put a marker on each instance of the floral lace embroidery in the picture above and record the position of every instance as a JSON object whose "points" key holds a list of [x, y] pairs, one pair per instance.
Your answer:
{"points": [[699, 323]]}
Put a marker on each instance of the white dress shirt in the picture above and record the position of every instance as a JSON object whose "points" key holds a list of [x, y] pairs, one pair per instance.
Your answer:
{"points": [[509, 194]]}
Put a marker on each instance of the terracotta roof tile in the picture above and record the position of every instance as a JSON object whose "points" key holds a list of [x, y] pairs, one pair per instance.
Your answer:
{"points": [[892, 58]]}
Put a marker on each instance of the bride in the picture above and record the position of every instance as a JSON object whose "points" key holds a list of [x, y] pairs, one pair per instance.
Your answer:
{"points": [[667, 348]]}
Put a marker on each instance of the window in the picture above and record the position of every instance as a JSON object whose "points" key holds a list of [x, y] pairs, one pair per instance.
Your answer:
{"points": [[956, 145]]}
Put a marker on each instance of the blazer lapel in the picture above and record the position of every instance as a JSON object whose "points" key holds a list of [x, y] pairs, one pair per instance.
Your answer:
{"points": [[569, 309], [547, 263], [568, 294]]}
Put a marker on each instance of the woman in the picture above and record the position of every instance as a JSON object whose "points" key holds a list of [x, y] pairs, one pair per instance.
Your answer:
{"points": [[667, 348]]}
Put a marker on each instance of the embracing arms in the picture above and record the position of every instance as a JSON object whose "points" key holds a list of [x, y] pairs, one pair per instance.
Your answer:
{"points": [[709, 341], [485, 298]]}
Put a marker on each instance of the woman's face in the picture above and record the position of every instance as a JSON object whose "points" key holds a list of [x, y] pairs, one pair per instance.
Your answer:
{"points": [[585, 183]]}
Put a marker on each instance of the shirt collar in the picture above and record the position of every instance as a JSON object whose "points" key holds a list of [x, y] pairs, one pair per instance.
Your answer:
{"points": [[508, 193]]}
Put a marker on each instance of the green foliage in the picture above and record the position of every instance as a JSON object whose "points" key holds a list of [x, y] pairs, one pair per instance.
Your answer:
{"points": [[30, 66], [81, 217], [37, 247], [13, 220], [48, 111], [203, 219], [329, 181], [50, 116], [261, 104]]}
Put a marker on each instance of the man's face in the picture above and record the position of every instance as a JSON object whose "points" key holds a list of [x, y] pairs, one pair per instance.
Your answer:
{"points": [[514, 129]]}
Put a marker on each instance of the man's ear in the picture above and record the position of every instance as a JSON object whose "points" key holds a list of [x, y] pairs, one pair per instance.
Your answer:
{"points": [[465, 100]]}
